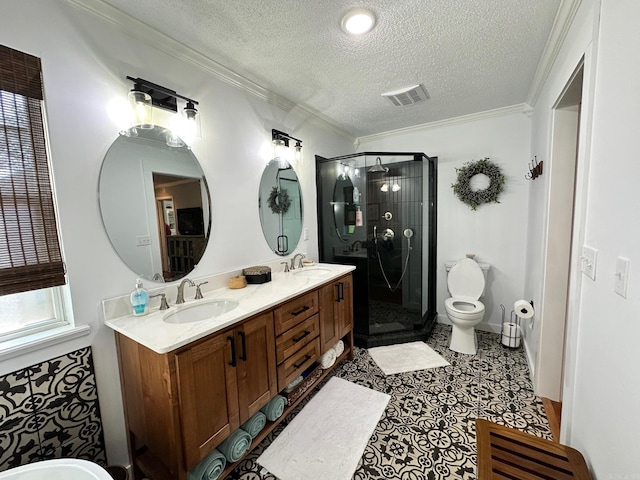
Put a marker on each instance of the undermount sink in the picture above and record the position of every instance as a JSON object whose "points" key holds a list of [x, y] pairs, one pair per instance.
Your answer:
{"points": [[312, 272], [200, 311]]}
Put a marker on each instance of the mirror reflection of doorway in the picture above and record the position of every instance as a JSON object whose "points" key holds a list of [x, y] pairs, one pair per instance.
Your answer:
{"points": [[180, 249], [166, 228]]}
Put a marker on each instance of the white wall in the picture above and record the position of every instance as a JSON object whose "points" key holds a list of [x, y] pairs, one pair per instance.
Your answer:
{"points": [[85, 61], [601, 388], [495, 232]]}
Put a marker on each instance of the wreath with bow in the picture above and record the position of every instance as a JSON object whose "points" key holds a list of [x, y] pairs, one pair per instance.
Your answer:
{"points": [[462, 187], [279, 201]]}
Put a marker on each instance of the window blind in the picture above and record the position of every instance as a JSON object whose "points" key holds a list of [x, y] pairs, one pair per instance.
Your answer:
{"points": [[30, 256]]}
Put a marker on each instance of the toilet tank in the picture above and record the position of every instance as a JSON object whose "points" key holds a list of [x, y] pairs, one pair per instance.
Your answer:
{"points": [[485, 267]]}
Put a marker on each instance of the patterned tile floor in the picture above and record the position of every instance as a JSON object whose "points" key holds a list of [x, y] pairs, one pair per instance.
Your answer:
{"points": [[428, 429]]}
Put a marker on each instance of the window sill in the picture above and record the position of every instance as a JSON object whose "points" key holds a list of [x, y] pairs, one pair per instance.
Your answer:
{"points": [[38, 341]]}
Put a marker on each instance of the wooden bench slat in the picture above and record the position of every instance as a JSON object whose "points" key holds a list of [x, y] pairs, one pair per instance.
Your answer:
{"points": [[505, 453]]}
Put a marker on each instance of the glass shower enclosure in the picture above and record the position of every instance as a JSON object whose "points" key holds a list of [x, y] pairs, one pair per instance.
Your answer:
{"points": [[377, 211]]}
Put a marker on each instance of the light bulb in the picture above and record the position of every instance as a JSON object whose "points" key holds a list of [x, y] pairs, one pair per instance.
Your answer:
{"points": [[384, 187], [395, 187]]}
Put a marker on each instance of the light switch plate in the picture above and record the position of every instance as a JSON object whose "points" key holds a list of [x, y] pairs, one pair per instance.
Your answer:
{"points": [[622, 276], [588, 261], [143, 240]]}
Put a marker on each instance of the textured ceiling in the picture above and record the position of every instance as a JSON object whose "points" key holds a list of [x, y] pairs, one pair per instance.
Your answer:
{"points": [[471, 55]]}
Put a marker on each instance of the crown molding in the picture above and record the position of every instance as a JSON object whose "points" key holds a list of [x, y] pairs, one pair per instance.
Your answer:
{"points": [[561, 25], [472, 117], [139, 30]]}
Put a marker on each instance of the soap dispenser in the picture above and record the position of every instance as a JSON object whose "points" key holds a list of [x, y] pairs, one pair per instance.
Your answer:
{"points": [[139, 299]]}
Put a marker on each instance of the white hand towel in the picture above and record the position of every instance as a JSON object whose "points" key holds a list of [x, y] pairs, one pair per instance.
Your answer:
{"points": [[338, 348], [328, 359]]}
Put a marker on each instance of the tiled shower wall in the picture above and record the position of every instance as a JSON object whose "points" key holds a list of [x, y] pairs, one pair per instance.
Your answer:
{"points": [[51, 410]]}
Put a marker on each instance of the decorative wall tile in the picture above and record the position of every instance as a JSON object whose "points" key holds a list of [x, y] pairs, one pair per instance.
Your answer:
{"points": [[51, 410]]}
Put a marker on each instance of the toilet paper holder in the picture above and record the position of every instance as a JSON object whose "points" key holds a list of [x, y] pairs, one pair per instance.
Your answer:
{"points": [[511, 330]]}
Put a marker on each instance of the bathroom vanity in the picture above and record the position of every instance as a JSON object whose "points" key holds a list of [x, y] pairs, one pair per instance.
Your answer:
{"points": [[187, 386]]}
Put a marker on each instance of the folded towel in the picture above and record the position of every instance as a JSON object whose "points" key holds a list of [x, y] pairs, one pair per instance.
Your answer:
{"points": [[255, 424], [328, 359], [274, 408], [338, 348], [209, 468], [294, 383], [235, 445]]}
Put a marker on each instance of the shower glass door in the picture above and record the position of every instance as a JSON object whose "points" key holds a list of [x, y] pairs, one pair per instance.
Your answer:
{"points": [[395, 228], [376, 211]]}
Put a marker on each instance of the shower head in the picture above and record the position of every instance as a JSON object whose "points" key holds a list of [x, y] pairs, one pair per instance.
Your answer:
{"points": [[378, 167]]}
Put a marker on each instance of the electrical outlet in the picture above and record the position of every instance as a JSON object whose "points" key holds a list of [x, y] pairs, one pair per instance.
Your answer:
{"points": [[588, 261], [622, 276], [305, 234]]}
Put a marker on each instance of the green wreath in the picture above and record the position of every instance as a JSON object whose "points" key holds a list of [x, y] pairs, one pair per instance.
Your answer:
{"points": [[279, 201], [462, 188]]}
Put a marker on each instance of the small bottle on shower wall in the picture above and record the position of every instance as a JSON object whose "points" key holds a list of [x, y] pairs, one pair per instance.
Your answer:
{"points": [[358, 217], [356, 196], [139, 299]]}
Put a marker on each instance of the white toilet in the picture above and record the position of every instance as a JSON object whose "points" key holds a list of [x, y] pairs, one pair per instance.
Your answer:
{"points": [[466, 280]]}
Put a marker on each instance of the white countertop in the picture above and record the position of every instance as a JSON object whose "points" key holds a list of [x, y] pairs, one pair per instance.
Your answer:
{"points": [[154, 333]]}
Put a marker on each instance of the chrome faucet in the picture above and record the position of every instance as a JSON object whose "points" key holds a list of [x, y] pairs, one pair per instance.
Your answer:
{"points": [[293, 260], [180, 296]]}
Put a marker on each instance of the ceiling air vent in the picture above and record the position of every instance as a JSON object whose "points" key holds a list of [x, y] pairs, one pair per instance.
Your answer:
{"points": [[407, 96]]}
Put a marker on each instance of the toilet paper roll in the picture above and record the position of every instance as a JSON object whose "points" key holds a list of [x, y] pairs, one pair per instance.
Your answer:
{"points": [[523, 309]]}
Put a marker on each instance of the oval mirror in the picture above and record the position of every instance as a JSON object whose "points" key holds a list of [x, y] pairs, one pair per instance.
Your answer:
{"points": [[155, 206], [344, 210], [280, 206]]}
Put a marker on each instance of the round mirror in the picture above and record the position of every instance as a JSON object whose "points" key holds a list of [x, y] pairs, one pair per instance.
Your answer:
{"points": [[280, 205], [155, 205], [344, 208]]}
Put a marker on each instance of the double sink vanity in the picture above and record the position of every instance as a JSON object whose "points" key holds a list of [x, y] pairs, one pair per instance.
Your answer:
{"points": [[192, 374]]}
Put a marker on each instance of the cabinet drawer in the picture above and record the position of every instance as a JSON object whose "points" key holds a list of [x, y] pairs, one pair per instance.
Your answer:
{"points": [[295, 311], [297, 337], [298, 363]]}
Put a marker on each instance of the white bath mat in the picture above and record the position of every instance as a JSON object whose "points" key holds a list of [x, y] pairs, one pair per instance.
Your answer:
{"points": [[406, 357], [326, 440]]}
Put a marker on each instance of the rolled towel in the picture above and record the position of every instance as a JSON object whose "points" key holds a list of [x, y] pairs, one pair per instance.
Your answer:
{"points": [[338, 348], [328, 358], [209, 468], [235, 445], [274, 408], [255, 424]]}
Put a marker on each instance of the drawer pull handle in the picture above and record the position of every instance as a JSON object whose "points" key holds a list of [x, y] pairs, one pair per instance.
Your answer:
{"points": [[302, 310], [232, 340], [304, 359], [297, 339]]}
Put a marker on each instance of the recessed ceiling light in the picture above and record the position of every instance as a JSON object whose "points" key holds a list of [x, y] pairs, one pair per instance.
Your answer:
{"points": [[357, 22]]}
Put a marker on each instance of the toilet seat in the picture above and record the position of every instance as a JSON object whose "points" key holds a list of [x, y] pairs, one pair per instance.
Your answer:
{"points": [[463, 307]]}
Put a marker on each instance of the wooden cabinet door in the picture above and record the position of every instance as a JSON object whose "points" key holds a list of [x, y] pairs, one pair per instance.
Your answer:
{"points": [[344, 315], [336, 311], [328, 297], [208, 396], [256, 369]]}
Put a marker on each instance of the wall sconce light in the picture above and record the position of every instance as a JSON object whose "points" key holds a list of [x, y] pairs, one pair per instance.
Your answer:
{"points": [[281, 141], [146, 95]]}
